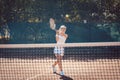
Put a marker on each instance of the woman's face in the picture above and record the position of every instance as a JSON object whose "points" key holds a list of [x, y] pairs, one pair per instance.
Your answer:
{"points": [[62, 30]]}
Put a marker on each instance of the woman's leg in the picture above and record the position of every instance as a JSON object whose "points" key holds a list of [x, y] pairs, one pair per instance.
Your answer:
{"points": [[60, 65], [60, 62], [56, 62]]}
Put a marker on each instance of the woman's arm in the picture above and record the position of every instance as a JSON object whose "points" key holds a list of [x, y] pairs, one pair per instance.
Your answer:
{"points": [[66, 36], [57, 35]]}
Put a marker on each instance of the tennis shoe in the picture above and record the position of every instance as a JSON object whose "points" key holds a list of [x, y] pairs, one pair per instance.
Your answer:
{"points": [[62, 73]]}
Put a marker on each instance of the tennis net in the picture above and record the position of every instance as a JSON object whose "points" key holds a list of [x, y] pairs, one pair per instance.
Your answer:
{"points": [[81, 61]]}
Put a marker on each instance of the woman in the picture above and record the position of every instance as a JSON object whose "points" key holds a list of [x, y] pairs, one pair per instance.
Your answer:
{"points": [[61, 37]]}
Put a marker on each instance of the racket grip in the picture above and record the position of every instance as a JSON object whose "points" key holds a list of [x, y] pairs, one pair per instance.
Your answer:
{"points": [[57, 32]]}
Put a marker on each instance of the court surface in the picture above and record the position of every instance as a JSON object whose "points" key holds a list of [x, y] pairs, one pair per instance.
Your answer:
{"points": [[40, 69]]}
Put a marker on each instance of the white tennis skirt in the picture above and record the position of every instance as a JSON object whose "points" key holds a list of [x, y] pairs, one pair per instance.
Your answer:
{"points": [[59, 50]]}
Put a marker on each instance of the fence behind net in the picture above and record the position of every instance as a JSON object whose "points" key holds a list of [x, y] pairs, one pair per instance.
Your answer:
{"points": [[81, 61]]}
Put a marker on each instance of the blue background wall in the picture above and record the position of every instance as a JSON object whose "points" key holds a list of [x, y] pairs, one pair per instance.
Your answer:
{"points": [[24, 32]]}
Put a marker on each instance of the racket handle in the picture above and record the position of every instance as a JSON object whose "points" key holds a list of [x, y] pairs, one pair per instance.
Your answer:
{"points": [[57, 31]]}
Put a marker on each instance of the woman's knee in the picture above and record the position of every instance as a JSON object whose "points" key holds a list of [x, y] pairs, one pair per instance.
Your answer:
{"points": [[59, 60]]}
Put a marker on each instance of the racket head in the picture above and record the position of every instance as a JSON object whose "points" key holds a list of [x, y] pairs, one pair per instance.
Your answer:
{"points": [[52, 24]]}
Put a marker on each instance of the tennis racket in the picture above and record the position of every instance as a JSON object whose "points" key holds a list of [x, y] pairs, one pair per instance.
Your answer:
{"points": [[52, 24]]}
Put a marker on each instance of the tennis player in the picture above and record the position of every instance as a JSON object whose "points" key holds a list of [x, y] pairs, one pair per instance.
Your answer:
{"points": [[61, 37]]}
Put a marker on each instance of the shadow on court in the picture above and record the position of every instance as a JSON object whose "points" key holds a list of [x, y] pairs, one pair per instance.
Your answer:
{"points": [[64, 77]]}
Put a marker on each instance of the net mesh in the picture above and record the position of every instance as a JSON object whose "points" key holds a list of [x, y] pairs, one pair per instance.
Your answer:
{"points": [[81, 61]]}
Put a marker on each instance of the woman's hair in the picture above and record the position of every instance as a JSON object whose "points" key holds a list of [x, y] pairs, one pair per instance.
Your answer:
{"points": [[62, 26]]}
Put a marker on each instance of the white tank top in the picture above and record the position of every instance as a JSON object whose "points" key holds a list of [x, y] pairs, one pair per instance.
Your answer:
{"points": [[61, 40]]}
